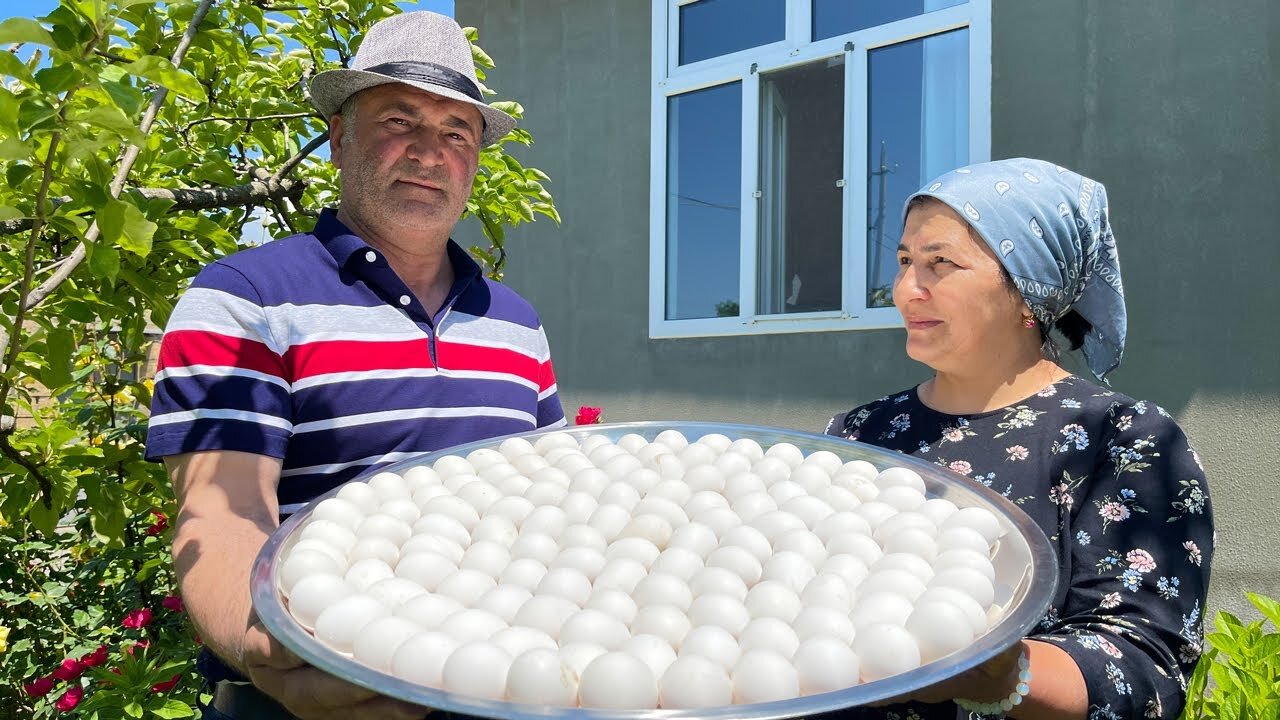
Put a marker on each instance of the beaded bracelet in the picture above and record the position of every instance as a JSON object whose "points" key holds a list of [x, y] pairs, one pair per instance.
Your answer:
{"points": [[1015, 698]]}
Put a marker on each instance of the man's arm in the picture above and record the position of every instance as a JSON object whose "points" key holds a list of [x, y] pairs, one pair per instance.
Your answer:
{"points": [[226, 509]]}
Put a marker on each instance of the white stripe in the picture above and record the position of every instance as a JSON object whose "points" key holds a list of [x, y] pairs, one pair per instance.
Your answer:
{"points": [[218, 371], [559, 423], [187, 416], [209, 310], [490, 332], [362, 375], [411, 414], [339, 467], [546, 393]]}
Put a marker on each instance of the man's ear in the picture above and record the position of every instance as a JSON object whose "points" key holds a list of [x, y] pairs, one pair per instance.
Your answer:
{"points": [[337, 133]]}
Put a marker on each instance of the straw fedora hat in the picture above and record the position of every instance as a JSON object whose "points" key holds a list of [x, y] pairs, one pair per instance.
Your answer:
{"points": [[421, 49]]}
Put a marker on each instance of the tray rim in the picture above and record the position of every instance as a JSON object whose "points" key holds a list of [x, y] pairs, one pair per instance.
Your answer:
{"points": [[1012, 626]]}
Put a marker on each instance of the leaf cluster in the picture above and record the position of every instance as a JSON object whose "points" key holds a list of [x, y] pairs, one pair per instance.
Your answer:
{"points": [[1238, 677]]}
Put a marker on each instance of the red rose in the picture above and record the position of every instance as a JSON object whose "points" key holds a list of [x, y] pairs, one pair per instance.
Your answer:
{"points": [[588, 415], [172, 602], [38, 687], [137, 619], [167, 685], [70, 669], [140, 645], [70, 699], [95, 658], [160, 525]]}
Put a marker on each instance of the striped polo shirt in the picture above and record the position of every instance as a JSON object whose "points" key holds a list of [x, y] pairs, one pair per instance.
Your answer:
{"points": [[311, 349]]}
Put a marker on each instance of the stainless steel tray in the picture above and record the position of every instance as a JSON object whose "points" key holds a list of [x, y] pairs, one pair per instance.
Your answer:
{"points": [[1025, 565]]}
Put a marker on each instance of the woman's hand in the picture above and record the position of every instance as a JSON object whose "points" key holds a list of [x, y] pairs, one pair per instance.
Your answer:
{"points": [[992, 681], [311, 693]]}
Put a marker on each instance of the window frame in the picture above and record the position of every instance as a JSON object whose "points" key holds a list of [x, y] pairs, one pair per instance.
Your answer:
{"points": [[746, 66]]}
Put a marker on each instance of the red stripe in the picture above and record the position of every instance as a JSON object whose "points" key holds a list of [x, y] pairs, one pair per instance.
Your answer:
{"points": [[335, 356], [461, 356], [547, 376], [180, 348]]}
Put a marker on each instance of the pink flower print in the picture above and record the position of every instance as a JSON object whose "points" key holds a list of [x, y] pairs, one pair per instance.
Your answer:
{"points": [[1109, 647], [1141, 561], [1193, 552], [1110, 601], [953, 435], [1060, 494], [961, 467], [1114, 511], [1017, 452]]}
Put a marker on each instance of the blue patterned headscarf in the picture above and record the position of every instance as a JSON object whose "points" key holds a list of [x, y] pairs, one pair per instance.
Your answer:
{"points": [[1049, 228]]}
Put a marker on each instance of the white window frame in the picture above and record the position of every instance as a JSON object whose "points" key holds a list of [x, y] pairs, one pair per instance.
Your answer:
{"points": [[670, 79]]}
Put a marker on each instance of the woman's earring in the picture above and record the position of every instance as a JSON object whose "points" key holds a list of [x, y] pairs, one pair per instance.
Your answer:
{"points": [[1029, 322]]}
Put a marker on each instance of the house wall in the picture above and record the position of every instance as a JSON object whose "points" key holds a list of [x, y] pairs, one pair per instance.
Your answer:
{"points": [[1167, 104]]}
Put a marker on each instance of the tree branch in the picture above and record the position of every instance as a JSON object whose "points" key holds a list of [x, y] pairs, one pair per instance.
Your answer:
{"points": [[256, 192], [292, 162], [46, 488], [248, 120]]}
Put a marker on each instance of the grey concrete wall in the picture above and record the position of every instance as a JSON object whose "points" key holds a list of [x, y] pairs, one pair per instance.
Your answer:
{"points": [[1166, 103]]}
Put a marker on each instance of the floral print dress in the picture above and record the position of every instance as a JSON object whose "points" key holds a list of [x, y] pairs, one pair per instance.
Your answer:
{"points": [[1121, 495]]}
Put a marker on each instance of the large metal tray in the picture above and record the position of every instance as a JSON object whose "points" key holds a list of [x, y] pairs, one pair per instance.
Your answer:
{"points": [[1025, 565]]}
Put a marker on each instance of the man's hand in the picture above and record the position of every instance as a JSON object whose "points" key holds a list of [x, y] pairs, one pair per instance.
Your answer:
{"points": [[310, 693], [992, 681]]}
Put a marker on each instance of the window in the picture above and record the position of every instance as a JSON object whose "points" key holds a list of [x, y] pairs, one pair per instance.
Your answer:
{"points": [[786, 135]]}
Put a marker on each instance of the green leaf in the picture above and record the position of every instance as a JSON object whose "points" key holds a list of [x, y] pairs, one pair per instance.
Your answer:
{"points": [[10, 213], [1269, 608], [104, 260], [72, 225], [13, 67], [161, 71], [173, 709], [111, 119], [133, 709], [60, 345], [11, 148], [58, 78], [124, 224], [106, 511], [24, 30]]}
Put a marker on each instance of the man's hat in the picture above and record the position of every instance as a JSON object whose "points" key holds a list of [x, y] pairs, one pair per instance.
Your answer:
{"points": [[421, 49]]}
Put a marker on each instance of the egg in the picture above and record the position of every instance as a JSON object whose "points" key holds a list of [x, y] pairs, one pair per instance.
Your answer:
{"points": [[454, 507], [664, 508], [505, 601], [963, 538], [939, 628], [902, 497], [484, 457], [789, 568], [395, 591], [659, 588], [771, 598], [377, 643], [609, 519], [786, 452], [973, 612], [544, 494], [771, 470], [811, 478], [576, 656], [911, 563], [666, 621], [764, 676], [528, 464], [971, 581], [773, 524], [875, 512], [621, 495], [363, 574], [614, 602], [341, 623], [536, 545], [718, 580], [338, 556], [623, 465], [654, 529], [809, 509], [649, 453], [578, 506], [566, 582], [618, 680], [840, 523], [573, 464], [425, 569], [553, 440], [976, 518], [695, 682], [512, 448], [694, 455], [885, 650], [451, 465], [825, 664], [696, 537], [803, 542], [586, 560], [555, 455], [428, 610], [858, 469], [705, 478], [595, 626], [403, 509], [642, 479], [902, 582], [466, 586], [427, 492], [496, 529], [901, 522], [591, 442], [965, 558], [821, 621], [539, 677], [859, 546], [827, 590], [546, 613], [620, 574], [879, 607], [480, 495], [472, 624], [750, 539], [313, 593], [912, 541], [388, 486], [712, 642], [719, 610], [673, 439], [444, 526], [737, 560], [732, 463], [361, 494], [784, 490], [746, 447], [582, 536], [839, 499], [478, 669], [379, 548], [640, 549], [338, 511], [331, 533], [680, 562], [420, 658], [769, 633], [603, 453], [849, 568], [487, 557], [740, 484], [651, 650], [751, 505], [899, 476], [523, 572], [435, 544]]}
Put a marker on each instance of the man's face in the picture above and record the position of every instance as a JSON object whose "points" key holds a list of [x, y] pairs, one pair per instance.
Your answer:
{"points": [[408, 160]]}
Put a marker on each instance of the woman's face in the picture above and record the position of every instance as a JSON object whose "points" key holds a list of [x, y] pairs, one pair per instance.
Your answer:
{"points": [[960, 310]]}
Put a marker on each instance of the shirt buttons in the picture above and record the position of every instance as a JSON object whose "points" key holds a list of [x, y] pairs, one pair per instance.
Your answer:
{"points": [[371, 256], [404, 300]]}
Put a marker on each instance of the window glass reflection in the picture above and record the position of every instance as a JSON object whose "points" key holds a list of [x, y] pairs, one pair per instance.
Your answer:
{"points": [[837, 17], [710, 28]]}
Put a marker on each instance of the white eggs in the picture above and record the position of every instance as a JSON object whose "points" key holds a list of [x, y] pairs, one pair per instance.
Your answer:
{"points": [[643, 573]]}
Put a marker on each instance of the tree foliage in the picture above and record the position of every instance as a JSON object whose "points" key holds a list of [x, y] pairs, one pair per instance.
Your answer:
{"points": [[138, 139]]}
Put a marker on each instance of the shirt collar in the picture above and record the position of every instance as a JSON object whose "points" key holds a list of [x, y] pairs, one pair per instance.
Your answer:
{"points": [[343, 245]]}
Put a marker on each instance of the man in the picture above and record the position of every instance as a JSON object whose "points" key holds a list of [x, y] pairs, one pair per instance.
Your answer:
{"points": [[290, 368]]}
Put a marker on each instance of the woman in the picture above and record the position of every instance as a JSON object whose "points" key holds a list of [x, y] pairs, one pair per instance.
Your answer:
{"points": [[993, 257]]}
